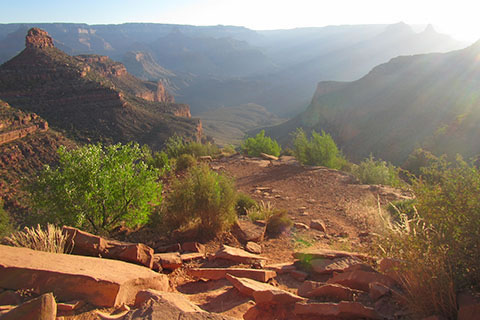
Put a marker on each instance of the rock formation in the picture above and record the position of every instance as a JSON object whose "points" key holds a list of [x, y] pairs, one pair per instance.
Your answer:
{"points": [[91, 97]]}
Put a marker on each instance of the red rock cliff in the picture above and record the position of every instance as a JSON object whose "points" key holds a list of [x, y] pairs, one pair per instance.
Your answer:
{"points": [[37, 38]]}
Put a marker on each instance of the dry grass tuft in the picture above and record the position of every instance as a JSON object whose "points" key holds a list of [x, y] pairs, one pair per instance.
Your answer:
{"points": [[50, 239]]}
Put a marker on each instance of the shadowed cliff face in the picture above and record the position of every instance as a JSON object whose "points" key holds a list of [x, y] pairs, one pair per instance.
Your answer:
{"points": [[91, 98], [429, 101]]}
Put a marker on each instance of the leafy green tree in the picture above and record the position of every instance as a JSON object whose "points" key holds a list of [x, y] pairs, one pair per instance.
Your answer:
{"points": [[98, 188], [320, 150], [260, 144]]}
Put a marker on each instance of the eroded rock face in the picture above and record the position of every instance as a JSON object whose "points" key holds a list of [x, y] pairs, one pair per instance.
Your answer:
{"points": [[37, 38]]}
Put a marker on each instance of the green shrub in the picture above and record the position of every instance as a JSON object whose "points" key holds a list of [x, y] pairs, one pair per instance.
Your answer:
{"points": [[157, 160], [278, 223], [6, 226], [176, 146], [185, 161], [320, 150], [244, 203], [439, 245], [262, 211], [419, 159], [98, 188], [50, 239], [253, 147], [204, 197], [371, 171]]}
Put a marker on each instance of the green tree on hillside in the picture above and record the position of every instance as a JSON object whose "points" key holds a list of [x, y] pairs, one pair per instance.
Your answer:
{"points": [[319, 150], [98, 188], [260, 144]]}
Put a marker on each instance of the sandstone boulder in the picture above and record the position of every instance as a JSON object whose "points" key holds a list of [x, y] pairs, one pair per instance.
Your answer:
{"points": [[101, 282], [253, 247], [263, 293], [238, 255], [169, 260], [41, 308], [10, 297], [188, 257], [221, 273], [193, 247], [361, 280], [325, 266], [377, 290], [168, 306], [268, 157], [246, 230], [318, 225], [84, 243], [333, 291]]}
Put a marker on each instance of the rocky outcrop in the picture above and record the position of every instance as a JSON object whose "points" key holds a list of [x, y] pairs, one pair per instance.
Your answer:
{"points": [[100, 282], [37, 38], [91, 97], [84, 243]]}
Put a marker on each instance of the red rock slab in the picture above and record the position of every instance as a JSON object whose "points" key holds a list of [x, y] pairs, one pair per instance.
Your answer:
{"points": [[221, 273], [321, 253], [101, 282], [263, 293], [341, 310], [87, 244], [334, 291], [361, 280], [308, 286], [238, 255], [325, 266], [282, 268], [193, 247], [188, 257], [41, 308], [169, 260]]}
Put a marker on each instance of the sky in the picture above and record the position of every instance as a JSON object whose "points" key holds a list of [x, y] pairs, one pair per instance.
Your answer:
{"points": [[458, 18]]}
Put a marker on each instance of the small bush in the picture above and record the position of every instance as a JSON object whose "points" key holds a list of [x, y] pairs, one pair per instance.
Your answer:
{"points": [[418, 160], [263, 211], [203, 197], [253, 147], [6, 226], [176, 146], [228, 150], [320, 150], [184, 162], [371, 171], [244, 203], [278, 223], [50, 239]]}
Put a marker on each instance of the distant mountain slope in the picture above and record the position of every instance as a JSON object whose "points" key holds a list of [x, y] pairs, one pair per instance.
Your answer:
{"points": [[430, 100], [229, 125], [91, 98]]}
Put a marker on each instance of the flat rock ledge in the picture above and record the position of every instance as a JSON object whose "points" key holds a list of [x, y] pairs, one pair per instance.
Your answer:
{"points": [[221, 273], [101, 282]]}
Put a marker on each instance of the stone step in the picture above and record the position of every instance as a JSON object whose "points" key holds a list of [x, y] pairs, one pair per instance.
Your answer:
{"points": [[221, 273], [263, 293], [341, 310], [101, 282]]}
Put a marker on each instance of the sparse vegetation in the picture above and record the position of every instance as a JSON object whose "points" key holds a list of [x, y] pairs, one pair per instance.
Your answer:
{"points": [[176, 146], [278, 223], [97, 188], [6, 226], [50, 239], [202, 197], [157, 160], [263, 211], [371, 171], [244, 203], [253, 147], [439, 245], [319, 150], [402, 207], [185, 161]]}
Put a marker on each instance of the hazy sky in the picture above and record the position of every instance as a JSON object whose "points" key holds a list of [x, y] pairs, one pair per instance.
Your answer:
{"points": [[460, 18]]}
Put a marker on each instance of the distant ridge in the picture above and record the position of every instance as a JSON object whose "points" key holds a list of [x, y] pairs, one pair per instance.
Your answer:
{"points": [[430, 101]]}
